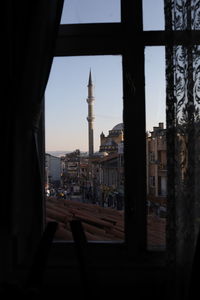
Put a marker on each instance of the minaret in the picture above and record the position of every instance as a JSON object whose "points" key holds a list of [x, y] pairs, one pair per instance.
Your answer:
{"points": [[90, 117]]}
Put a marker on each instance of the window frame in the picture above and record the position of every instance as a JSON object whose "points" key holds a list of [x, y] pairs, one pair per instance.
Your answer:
{"points": [[117, 39]]}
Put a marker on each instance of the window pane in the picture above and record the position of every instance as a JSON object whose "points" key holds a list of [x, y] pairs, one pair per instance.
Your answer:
{"points": [[84, 146], [91, 11], [156, 147], [153, 14], [183, 119], [182, 15]]}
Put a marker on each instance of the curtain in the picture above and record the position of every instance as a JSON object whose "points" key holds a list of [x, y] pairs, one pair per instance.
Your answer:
{"points": [[31, 29], [183, 142]]}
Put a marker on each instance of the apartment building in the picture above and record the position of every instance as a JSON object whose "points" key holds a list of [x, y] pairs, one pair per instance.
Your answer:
{"points": [[52, 170], [157, 162]]}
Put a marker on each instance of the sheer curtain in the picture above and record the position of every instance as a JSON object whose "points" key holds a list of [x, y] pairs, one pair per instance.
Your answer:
{"points": [[183, 141], [31, 29]]}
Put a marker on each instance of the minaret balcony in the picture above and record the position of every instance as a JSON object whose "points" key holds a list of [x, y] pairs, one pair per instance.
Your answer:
{"points": [[90, 100], [90, 119]]}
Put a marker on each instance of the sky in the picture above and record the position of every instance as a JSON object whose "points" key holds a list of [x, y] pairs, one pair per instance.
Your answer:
{"points": [[66, 126]]}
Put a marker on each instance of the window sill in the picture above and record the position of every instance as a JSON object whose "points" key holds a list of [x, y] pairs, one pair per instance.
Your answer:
{"points": [[105, 255]]}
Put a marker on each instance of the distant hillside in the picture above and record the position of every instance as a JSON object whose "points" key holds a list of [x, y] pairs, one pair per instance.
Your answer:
{"points": [[60, 153]]}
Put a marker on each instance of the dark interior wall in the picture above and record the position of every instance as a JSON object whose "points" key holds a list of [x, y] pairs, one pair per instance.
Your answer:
{"points": [[19, 222], [29, 31]]}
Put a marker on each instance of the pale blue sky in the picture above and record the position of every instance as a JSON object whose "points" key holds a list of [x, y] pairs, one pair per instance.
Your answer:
{"points": [[90, 11], [66, 106], [66, 126]]}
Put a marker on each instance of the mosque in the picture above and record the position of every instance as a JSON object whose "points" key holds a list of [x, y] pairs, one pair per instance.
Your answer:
{"points": [[110, 143]]}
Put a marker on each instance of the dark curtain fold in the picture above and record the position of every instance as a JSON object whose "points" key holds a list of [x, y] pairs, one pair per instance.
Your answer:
{"points": [[31, 29], [183, 142]]}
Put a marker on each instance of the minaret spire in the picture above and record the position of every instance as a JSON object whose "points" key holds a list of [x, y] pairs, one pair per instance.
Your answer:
{"points": [[90, 117], [90, 78]]}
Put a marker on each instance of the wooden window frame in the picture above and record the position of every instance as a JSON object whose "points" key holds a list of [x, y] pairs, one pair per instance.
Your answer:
{"points": [[129, 40]]}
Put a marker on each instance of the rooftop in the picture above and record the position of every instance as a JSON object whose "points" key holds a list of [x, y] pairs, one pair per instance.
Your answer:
{"points": [[100, 223]]}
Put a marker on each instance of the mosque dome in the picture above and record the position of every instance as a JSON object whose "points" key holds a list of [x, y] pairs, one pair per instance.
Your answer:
{"points": [[110, 143], [119, 126]]}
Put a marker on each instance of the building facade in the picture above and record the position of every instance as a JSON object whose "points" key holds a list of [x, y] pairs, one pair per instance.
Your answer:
{"points": [[52, 170], [157, 162]]}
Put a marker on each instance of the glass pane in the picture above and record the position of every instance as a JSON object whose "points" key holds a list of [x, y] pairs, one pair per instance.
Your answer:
{"points": [[84, 146], [153, 14], [182, 15], [91, 11], [183, 121], [156, 146]]}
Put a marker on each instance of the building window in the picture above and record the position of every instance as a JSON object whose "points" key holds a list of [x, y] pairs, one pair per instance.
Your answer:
{"points": [[117, 39], [90, 103], [114, 39], [152, 181]]}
